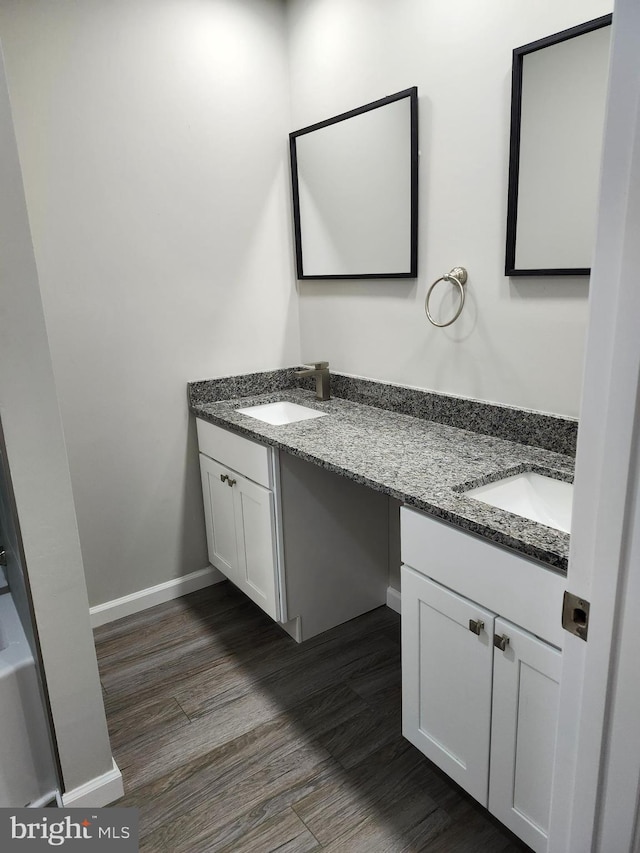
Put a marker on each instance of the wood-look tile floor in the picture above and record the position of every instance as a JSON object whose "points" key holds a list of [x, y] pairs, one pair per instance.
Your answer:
{"points": [[231, 737]]}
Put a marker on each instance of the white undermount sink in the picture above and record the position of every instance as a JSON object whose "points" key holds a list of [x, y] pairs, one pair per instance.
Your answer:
{"points": [[282, 412], [542, 499]]}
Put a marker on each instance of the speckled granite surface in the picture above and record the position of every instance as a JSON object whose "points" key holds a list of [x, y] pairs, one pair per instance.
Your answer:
{"points": [[538, 429], [230, 387], [523, 425], [419, 462]]}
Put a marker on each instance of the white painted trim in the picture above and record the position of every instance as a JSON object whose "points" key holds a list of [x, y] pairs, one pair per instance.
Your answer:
{"points": [[281, 585], [96, 792], [394, 599], [43, 801], [145, 598], [620, 777], [596, 758]]}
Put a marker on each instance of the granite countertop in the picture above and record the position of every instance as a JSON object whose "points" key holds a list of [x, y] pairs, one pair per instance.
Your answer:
{"points": [[422, 463]]}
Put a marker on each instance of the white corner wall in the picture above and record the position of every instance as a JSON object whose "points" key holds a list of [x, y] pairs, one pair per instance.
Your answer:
{"points": [[153, 142], [519, 341], [42, 488]]}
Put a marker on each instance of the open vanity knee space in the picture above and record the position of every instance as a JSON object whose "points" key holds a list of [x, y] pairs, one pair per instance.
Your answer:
{"points": [[306, 546]]}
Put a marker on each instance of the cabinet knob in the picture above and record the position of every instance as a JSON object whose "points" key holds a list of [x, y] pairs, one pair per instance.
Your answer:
{"points": [[224, 477], [230, 482], [501, 642], [476, 626]]}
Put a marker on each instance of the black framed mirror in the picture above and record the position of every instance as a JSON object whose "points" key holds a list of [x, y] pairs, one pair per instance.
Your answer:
{"points": [[355, 192], [558, 95]]}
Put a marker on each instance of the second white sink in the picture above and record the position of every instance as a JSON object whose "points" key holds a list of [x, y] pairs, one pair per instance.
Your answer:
{"points": [[282, 412], [542, 499]]}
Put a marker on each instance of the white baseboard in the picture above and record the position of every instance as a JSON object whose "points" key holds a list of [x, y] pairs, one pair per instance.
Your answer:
{"points": [[96, 792], [394, 600], [145, 598]]}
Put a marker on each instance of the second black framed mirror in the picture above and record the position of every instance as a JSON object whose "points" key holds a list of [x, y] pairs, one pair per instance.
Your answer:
{"points": [[559, 87]]}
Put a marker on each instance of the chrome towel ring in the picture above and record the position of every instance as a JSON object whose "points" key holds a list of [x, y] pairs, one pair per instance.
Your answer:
{"points": [[457, 276]]}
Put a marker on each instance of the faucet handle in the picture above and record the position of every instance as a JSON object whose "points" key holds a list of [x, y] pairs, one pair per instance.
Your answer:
{"points": [[321, 365]]}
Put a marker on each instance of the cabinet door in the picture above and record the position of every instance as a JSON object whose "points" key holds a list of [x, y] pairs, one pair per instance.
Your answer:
{"points": [[240, 524], [446, 680], [219, 518], [526, 679], [256, 544]]}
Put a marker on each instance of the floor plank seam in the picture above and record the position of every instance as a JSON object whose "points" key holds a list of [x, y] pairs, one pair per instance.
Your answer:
{"points": [[177, 701], [309, 830]]}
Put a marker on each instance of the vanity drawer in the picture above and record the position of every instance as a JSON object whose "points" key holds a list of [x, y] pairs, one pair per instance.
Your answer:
{"points": [[243, 455], [520, 589]]}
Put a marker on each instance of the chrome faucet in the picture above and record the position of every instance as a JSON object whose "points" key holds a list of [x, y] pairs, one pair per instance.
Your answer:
{"points": [[320, 370]]}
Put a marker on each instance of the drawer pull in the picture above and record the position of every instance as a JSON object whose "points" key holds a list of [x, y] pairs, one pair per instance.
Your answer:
{"points": [[476, 626], [501, 642]]}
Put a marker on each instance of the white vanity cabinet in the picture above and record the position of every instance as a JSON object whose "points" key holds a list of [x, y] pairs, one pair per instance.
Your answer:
{"points": [[486, 715], [239, 506]]}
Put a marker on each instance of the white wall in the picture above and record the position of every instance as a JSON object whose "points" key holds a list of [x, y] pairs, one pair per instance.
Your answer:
{"points": [[153, 141], [42, 487], [518, 342]]}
